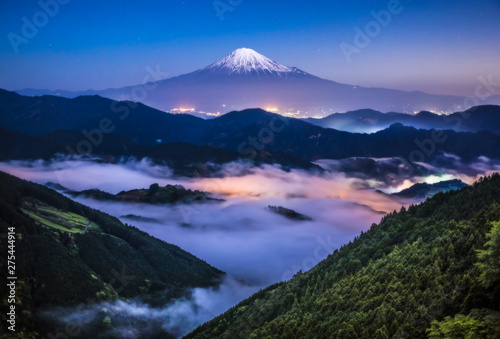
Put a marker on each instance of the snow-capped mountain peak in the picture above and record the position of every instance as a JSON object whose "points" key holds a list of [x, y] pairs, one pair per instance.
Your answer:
{"points": [[248, 61]]}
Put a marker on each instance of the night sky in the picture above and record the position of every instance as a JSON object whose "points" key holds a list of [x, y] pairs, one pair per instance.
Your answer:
{"points": [[432, 46]]}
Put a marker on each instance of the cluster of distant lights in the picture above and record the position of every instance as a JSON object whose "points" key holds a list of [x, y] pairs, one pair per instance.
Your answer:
{"points": [[293, 113], [182, 110], [193, 110], [290, 112], [321, 112]]}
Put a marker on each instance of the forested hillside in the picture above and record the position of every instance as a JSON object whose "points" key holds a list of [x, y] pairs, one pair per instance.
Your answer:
{"points": [[67, 254], [430, 271]]}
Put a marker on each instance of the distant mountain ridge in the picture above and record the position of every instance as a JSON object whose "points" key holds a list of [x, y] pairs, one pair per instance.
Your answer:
{"points": [[425, 190], [295, 147], [246, 79], [143, 124], [184, 159], [480, 118], [287, 141]]}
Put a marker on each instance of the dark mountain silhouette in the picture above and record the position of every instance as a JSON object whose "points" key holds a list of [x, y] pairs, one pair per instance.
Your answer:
{"points": [[480, 118], [252, 134], [184, 158], [312, 143], [38, 115]]}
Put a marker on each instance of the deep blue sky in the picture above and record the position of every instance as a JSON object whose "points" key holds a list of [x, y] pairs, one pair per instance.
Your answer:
{"points": [[433, 46]]}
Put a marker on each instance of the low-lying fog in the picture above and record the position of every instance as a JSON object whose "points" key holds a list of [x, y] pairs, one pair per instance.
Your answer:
{"points": [[239, 236]]}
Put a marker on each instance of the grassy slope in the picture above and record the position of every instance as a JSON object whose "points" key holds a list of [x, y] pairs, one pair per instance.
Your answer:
{"points": [[414, 275], [58, 219]]}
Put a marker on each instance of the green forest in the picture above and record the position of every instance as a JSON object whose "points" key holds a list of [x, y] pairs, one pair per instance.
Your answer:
{"points": [[69, 255], [429, 271]]}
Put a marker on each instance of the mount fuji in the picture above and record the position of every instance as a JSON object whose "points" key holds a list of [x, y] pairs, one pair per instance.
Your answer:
{"points": [[247, 79], [247, 62]]}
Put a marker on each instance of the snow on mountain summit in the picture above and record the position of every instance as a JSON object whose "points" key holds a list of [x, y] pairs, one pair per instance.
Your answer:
{"points": [[248, 61]]}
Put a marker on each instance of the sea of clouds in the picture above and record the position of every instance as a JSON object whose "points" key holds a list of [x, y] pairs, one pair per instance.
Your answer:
{"points": [[240, 236]]}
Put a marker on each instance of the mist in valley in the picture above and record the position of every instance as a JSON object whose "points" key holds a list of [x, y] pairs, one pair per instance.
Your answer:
{"points": [[240, 235]]}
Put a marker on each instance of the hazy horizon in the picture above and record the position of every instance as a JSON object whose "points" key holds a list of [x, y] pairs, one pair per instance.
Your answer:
{"points": [[437, 49]]}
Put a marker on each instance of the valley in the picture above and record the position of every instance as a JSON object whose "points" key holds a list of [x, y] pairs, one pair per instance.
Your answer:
{"points": [[263, 198], [250, 169]]}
